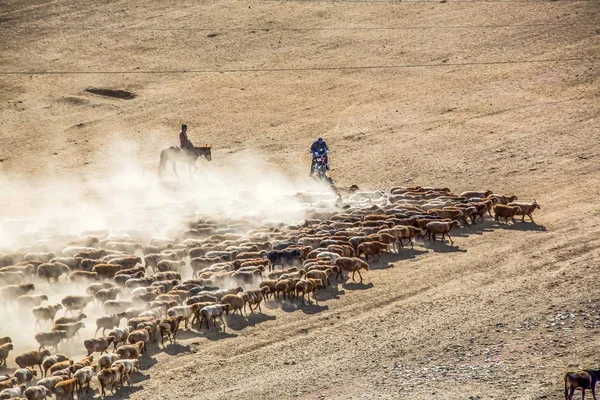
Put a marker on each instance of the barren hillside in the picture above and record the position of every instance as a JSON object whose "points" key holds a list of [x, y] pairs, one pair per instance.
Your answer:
{"points": [[461, 94]]}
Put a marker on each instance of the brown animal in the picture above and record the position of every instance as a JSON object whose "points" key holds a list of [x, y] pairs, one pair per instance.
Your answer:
{"points": [[443, 228], [506, 212], [110, 377], [584, 380], [52, 271], [169, 326], [50, 338], [32, 358], [351, 264], [76, 303], [525, 209], [371, 249], [106, 271], [4, 350], [98, 344]]}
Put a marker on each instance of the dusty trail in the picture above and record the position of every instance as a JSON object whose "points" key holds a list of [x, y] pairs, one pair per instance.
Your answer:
{"points": [[446, 323]]}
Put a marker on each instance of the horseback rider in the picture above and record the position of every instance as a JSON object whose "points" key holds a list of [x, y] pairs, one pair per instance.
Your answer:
{"points": [[319, 149], [184, 142]]}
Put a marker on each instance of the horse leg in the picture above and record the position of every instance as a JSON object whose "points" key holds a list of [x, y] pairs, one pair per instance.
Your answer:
{"points": [[175, 170]]}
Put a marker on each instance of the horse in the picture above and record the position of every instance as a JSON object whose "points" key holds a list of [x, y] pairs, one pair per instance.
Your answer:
{"points": [[175, 154]]}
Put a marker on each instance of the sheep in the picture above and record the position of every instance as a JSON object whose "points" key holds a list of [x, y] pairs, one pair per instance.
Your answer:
{"points": [[84, 376], [131, 351], [52, 271], [186, 312], [126, 262], [50, 382], [270, 284], [235, 301], [525, 209], [480, 194], [119, 335], [126, 247], [203, 297], [371, 249], [72, 328], [506, 212], [4, 350], [220, 293], [93, 288], [169, 326], [129, 367], [167, 276], [51, 360], [65, 389], [140, 299], [37, 393], [246, 277], [5, 339], [83, 276], [106, 271], [59, 366], [503, 198], [71, 262], [12, 292], [286, 287], [586, 379], [13, 392], [43, 257], [70, 320], [443, 228], [323, 276], [306, 287], [84, 362], [351, 264], [45, 313], [152, 260], [138, 282], [140, 335], [213, 312], [11, 278], [24, 375], [110, 377], [32, 358], [50, 338], [255, 297], [75, 303], [108, 322], [170, 265], [106, 360], [103, 295], [8, 383], [99, 345], [116, 306]]}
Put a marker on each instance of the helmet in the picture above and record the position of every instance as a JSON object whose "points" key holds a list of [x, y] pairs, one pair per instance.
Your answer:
{"points": [[320, 140], [183, 127]]}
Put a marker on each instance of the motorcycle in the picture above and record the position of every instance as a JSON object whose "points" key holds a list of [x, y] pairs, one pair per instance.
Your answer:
{"points": [[319, 168]]}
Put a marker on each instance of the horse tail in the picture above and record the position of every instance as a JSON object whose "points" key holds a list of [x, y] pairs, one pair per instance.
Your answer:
{"points": [[162, 163]]}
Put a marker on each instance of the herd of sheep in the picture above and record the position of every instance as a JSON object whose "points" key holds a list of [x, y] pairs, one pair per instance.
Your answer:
{"points": [[232, 265]]}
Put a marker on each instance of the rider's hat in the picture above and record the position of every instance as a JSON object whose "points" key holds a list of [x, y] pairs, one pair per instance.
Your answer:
{"points": [[184, 126]]}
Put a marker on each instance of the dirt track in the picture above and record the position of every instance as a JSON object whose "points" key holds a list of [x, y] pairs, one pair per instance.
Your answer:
{"points": [[460, 104]]}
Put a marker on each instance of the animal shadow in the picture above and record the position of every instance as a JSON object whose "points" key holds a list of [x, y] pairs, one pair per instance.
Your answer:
{"points": [[238, 322], [522, 226], [349, 285]]}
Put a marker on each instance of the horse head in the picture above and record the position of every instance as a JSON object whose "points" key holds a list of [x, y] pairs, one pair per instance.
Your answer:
{"points": [[205, 151]]}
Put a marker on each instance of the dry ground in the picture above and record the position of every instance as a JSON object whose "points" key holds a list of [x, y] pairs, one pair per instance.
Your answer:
{"points": [[461, 104]]}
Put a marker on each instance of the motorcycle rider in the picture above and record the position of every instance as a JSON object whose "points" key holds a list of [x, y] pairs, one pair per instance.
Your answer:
{"points": [[319, 148], [184, 142]]}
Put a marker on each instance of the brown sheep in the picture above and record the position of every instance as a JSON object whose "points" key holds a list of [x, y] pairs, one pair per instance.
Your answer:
{"points": [[506, 212], [70, 320], [32, 358], [65, 389], [98, 344], [84, 362], [525, 209], [4, 350], [83, 276], [169, 326], [235, 301], [126, 262], [60, 366], [131, 351], [323, 276], [106, 271], [443, 228], [351, 264], [51, 360], [170, 265], [72, 329], [50, 338], [371, 249], [75, 303], [480, 194], [503, 198], [586, 379], [37, 393], [45, 313], [110, 377], [103, 295], [286, 287], [108, 322], [52, 271], [202, 297], [270, 284], [306, 287], [140, 335]]}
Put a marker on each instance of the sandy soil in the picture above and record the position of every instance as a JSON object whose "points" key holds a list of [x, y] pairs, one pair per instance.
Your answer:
{"points": [[479, 94]]}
